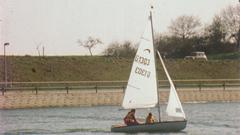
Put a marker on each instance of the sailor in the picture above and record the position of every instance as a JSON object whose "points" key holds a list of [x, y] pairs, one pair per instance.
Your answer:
{"points": [[130, 119], [150, 119]]}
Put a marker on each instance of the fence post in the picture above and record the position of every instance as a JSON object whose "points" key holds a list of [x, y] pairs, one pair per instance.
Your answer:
{"points": [[200, 86], [67, 89], [96, 88], [2, 89], [123, 89], [36, 89], [224, 85]]}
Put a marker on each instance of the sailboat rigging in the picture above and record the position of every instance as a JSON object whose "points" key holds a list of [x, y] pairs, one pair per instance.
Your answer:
{"points": [[142, 89]]}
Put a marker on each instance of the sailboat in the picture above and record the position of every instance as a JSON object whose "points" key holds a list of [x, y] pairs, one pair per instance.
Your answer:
{"points": [[142, 89]]}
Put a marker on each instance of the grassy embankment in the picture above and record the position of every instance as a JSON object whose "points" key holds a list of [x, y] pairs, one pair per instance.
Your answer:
{"points": [[232, 56], [97, 68]]}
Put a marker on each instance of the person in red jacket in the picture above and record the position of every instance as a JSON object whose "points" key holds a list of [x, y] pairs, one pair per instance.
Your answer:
{"points": [[130, 119]]}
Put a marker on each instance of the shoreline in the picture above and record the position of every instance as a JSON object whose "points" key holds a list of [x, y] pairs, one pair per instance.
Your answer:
{"points": [[46, 99], [113, 105]]}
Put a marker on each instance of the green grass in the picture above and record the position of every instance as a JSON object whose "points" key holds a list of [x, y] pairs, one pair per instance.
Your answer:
{"points": [[97, 68], [235, 55]]}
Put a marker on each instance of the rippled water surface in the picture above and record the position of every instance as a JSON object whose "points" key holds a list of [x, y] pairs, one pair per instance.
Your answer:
{"points": [[208, 119]]}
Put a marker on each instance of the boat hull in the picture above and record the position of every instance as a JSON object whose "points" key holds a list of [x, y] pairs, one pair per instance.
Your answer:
{"points": [[167, 126]]}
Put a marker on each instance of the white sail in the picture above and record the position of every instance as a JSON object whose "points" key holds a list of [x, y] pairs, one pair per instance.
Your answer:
{"points": [[174, 106], [141, 91]]}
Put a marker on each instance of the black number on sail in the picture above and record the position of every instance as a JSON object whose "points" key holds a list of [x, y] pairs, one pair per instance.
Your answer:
{"points": [[142, 72], [142, 60]]}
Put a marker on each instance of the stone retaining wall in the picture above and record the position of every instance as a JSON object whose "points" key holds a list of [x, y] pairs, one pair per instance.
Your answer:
{"points": [[29, 99]]}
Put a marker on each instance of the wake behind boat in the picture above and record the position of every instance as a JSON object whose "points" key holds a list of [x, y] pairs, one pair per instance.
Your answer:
{"points": [[142, 89]]}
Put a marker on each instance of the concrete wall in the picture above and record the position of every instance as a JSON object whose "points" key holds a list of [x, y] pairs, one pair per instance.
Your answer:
{"points": [[29, 99]]}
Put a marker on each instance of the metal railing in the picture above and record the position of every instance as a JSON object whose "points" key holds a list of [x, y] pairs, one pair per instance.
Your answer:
{"points": [[200, 84]]}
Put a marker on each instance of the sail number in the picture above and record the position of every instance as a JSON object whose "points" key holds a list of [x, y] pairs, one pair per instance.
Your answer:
{"points": [[142, 72], [142, 60]]}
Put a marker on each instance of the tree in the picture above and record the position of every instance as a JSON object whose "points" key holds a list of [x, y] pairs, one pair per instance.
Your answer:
{"points": [[231, 21], [175, 47], [217, 31], [90, 43], [215, 35], [185, 26], [167, 45], [183, 37], [124, 49]]}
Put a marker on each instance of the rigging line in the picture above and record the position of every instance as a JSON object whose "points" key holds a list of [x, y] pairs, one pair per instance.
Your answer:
{"points": [[159, 111]]}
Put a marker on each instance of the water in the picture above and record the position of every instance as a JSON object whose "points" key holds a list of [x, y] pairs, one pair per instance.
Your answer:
{"points": [[209, 119]]}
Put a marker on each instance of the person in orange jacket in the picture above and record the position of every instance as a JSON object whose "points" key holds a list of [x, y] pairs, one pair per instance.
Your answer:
{"points": [[150, 119]]}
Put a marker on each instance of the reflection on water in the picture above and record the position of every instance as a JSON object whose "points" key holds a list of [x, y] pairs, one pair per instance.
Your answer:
{"points": [[211, 118]]}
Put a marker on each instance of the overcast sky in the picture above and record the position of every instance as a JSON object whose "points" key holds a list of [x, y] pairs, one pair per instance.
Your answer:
{"points": [[58, 24]]}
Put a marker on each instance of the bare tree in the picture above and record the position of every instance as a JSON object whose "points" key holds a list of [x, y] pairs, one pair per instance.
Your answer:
{"points": [[90, 43], [231, 20], [185, 26], [38, 48]]}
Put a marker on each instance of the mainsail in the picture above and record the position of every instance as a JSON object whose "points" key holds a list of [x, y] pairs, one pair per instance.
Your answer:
{"points": [[141, 91], [174, 106]]}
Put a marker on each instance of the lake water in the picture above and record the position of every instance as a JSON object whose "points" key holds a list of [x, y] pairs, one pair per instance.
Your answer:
{"points": [[203, 119]]}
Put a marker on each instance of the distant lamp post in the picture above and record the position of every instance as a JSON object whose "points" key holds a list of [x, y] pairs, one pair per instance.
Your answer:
{"points": [[5, 64]]}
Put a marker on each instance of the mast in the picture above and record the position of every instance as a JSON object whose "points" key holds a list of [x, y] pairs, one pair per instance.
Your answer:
{"points": [[159, 111]]}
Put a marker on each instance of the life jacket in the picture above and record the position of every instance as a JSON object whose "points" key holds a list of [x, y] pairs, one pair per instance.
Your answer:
{"points": [[150, 119], [128, 119]]}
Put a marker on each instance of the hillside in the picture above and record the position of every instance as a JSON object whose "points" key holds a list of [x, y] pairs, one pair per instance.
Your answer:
{"points": [[86, 68]]}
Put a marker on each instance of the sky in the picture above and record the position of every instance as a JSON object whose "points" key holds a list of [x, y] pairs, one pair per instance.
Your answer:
{"points": [[59, 24]]}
